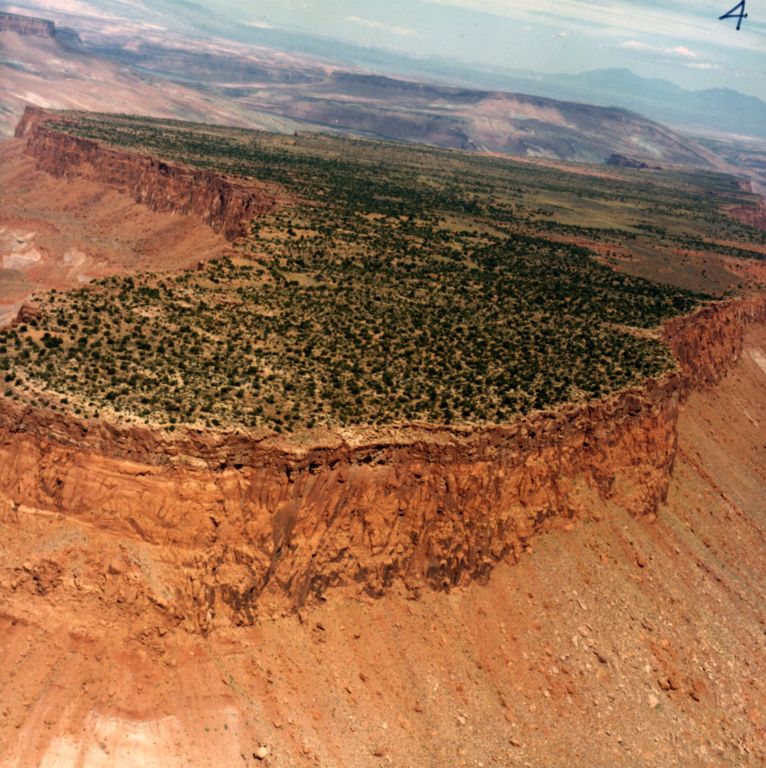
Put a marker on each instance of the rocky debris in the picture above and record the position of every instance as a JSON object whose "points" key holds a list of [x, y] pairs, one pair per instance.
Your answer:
{"points": [[668, 683], [27, 313], [44, 575]]}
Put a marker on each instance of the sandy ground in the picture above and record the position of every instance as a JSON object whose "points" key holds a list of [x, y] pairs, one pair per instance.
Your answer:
{"points": [[620, 642]]}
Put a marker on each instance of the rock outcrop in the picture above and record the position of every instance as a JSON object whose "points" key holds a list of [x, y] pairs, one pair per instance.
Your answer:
{"points": [[621, 161], [265, 523], [34, 27], [260, 520], [225, 203], [708, 342], [27, 313], [27, 25]]}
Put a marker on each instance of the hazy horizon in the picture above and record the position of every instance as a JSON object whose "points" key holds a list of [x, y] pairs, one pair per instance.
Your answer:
{"points": [[683, 42]]}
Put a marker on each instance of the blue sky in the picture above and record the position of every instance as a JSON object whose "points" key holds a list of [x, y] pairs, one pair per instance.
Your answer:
{"points": [[682, 41]]}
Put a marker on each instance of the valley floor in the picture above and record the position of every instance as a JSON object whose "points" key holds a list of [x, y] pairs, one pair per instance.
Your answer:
{"points": [[621, 642]]}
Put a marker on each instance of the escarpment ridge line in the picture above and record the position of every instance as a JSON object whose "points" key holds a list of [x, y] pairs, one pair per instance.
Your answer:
{"points": [[227, 204], [263, 523]]}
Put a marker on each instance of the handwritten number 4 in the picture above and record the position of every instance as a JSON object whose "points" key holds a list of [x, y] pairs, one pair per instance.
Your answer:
{"points": [[737, 12]]}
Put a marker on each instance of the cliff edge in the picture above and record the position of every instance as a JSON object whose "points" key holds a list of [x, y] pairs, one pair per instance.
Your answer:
{"points": [[30, 26], [226, 204], [263, 524]]}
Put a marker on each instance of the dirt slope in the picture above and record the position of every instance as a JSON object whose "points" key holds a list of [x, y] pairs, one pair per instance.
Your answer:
{"points": [[55, 235], [620, 642]]}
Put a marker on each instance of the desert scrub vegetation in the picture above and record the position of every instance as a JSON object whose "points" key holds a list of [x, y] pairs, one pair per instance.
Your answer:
{"points": [[404, 284], [613, 204], [236, 343]]}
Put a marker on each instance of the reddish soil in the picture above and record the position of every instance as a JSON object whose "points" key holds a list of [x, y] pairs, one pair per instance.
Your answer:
{"points": [[621, 642], [226, 203], [55, 235], [598, 579]]}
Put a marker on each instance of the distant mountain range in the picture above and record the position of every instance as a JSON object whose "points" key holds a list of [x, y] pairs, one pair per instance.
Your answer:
{"points": [[718, 110], [326, 96]]}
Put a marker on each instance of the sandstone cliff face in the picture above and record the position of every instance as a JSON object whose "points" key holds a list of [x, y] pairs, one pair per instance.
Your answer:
{"points": [[260, 523], [226, 204], [707, 343], [27, 25], [657, 626], [257, 523]]}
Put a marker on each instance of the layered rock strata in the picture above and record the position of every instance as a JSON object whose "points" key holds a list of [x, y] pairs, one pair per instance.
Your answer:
{"points": [[265, 523], [225, 203], [27, 25], [707, 343], [425, 508]]}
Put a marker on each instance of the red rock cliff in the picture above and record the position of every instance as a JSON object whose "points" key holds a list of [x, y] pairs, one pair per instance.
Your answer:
{"points": [[708, 342], [256, 523], [258, 519], [226, 203]]}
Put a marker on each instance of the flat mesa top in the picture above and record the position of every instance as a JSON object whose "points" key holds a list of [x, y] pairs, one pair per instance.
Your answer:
{"points": [[402, 284]]}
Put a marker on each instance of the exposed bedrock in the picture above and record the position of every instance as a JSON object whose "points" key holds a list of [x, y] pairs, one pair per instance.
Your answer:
{"points": [[27, 25], [707, 343], [261, 524], [225, 203], [257, 519]]}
